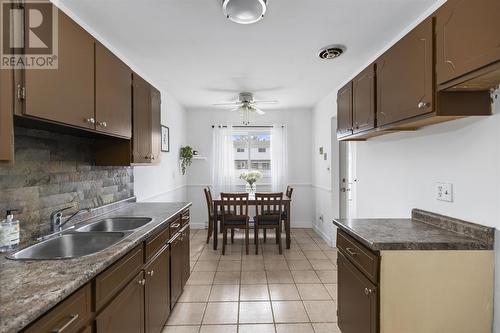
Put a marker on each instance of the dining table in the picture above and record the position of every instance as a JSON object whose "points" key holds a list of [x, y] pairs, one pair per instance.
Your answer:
{"points": [[252, 202]]}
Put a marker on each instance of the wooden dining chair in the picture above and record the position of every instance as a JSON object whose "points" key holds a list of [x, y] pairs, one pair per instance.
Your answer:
{"points": [[284, 216], [268, 210], [211, 214], [234, 215]]}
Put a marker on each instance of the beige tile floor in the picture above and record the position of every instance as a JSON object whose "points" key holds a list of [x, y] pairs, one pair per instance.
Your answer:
{"points": [[267, 293]]}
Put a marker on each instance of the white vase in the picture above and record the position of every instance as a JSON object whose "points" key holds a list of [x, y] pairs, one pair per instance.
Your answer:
{"points": [[250, 189]]}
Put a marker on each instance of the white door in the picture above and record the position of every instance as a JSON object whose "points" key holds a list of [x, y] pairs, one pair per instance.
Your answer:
{"points": [[347, 179]]}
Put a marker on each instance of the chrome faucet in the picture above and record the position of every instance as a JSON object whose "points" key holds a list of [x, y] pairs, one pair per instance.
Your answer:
{"points": [[56, 218]]}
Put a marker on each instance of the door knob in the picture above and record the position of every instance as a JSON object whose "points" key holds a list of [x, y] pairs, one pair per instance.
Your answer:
{"points": [[151, 273], [142, 282], [368, 291], [103, 124], [90, 120]]}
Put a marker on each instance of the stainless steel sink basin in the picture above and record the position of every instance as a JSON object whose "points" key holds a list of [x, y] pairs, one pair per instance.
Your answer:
{"points": [[116, 224], [67, 246]]}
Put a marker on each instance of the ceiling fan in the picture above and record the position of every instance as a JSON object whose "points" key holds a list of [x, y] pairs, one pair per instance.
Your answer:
{"points": [[247, 104]]}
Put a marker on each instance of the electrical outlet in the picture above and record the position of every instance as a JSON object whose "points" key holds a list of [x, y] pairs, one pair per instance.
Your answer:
{"points": [[444, 192]]}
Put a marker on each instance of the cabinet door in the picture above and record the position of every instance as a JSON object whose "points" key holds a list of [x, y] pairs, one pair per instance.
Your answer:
{"points": [[157, 299], [6, 111], [155, 125], [125, 313], [363, 100], [344, 111], [357, 299], [142, 143], [468, 37], [176, 259], [186, 265], [405, 77], [113, 94], [66, 94]]}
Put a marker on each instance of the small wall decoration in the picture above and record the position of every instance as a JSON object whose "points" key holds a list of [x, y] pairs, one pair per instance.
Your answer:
{"points": [[165, 139]]}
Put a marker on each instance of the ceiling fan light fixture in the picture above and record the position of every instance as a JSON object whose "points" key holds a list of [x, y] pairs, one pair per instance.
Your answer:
{"points": [[244, 11]]}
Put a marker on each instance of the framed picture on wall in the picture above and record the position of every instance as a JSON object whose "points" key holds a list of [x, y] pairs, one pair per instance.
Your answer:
{"points": [[165, 139]]}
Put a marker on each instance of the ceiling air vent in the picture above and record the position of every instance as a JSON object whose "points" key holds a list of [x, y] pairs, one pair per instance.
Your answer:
{"points": [[331, 52]]}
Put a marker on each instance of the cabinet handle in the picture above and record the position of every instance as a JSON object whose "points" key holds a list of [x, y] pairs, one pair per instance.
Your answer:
{"points": [[151, 273], [71, 320], [423, 105], [176, 225], [90, 120], [368, 291], [351, 251], [153, 157], [142, 282], [103, 124]]}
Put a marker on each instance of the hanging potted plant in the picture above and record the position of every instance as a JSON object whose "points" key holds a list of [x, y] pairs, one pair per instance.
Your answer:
{"points": [[186, 158]]}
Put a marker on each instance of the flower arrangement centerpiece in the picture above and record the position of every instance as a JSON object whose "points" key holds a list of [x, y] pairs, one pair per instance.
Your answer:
{"points": [[250, 179]]}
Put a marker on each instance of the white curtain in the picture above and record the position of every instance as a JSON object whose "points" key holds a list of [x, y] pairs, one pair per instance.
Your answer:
{"points": [[279, 158], [223, 160]]}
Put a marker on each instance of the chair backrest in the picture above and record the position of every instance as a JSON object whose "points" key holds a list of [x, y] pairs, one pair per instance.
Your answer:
{"points": [[289, 191], [234, 204], [210, 202], [269, 204]]}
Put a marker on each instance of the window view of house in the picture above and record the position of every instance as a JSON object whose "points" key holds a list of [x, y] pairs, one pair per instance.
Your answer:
{"points": [[252, 151]]}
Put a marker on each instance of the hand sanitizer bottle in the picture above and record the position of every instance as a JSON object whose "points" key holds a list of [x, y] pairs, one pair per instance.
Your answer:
{"points": [[9, 232]]}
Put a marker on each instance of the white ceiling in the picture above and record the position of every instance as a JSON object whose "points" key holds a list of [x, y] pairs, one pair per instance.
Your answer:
{"points": [[191, 50]]}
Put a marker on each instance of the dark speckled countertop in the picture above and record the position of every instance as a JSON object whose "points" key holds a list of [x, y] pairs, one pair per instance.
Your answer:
{"points": [[424, 231], [28, 289]]}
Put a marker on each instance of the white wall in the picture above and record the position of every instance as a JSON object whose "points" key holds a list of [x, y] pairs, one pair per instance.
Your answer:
{"points": [[165, 182], [397, 172], [298, 122], [325, 173]]}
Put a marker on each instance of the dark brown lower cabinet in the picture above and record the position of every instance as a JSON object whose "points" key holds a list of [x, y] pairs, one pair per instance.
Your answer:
{"points": [[357, 299], [176, 264], [157, 293], [125, 314], [186, 266]]}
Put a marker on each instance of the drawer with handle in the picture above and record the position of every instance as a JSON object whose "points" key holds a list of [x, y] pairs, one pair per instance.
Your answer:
{"points": [[70, 316], [175, 226], [156, 242], [185, 218], [359, 255]]}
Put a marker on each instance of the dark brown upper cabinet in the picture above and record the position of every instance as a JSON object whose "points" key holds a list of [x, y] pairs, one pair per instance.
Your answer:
{"points": [[64, 95], [6, 111], [405, 77], [363, 100], [146, 121], [468, 39], [113, 97], [344, 111]]}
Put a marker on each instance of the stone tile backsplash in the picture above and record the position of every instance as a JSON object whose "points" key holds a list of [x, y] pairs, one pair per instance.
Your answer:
{"points": [[53, 171]]}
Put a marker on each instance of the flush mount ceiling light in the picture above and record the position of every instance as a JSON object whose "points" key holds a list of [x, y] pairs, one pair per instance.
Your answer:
{"points": [[245, 11], [331, 52]]}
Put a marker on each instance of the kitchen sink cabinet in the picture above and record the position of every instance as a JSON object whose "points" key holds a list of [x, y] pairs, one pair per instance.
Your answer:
{"points": [[70, 316], [64, 95], [113, 98], [186, 266], [357, 300], [157, 291], [176, 268], [344, 111], [6, 111], [363, 100], [405, 77], [467, 39], [125, 313]]}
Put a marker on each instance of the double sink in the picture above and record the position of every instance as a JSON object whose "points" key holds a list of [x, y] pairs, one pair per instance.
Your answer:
{"points": [[82, 241]]}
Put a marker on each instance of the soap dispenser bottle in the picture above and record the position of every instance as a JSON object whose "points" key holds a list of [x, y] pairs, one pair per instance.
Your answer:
{"points": [[9, 232]]}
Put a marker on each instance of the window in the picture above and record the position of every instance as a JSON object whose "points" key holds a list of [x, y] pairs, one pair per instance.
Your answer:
{"points": [[252, 148]]}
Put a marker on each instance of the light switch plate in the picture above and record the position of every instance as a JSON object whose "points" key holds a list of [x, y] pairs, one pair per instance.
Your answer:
{"points": [[444, 192]]}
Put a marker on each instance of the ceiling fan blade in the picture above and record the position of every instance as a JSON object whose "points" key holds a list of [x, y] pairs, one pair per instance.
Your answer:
{"points": [[266, 102], [227, 104], [258, 111], [235, 109]]}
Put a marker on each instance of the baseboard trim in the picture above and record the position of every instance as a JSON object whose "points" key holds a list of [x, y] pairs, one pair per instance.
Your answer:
{"points": [[326, 238]]}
